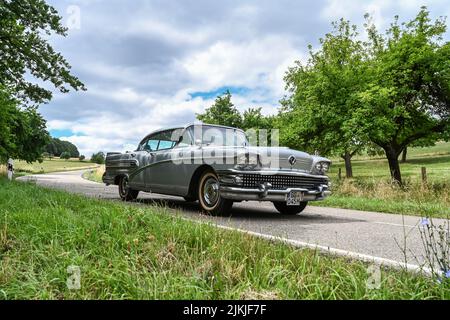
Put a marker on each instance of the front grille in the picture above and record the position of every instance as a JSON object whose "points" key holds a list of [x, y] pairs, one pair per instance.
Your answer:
{"points": [[280, 182]]}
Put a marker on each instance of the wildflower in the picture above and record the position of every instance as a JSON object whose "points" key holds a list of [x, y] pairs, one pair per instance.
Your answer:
{"points": [[447, 274]]}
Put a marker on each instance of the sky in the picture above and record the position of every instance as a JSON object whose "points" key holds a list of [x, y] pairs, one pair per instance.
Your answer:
{"points": [[149, 64]]}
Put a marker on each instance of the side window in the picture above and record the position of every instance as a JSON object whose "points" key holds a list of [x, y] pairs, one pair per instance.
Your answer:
{"points": [[152, 145], [187, 138]]}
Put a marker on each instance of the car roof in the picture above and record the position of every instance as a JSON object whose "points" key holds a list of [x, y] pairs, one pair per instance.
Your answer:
{"points": [[187, 126]]}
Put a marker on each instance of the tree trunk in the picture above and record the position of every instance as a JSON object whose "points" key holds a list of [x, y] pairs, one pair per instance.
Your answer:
{"points": [[348, 165], [405, 151], [394, 165]]}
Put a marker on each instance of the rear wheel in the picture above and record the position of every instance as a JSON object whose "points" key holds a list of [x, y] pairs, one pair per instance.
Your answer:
{"points": [[209, 196], [125, 192], [283, 208]]}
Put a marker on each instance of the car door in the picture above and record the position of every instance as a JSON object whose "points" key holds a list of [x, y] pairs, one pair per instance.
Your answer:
{"points": [[142, 155], [165, 174]]}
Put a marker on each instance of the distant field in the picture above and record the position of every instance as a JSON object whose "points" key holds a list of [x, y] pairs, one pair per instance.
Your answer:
{"points": [[54, 165], [441, 148], [438, 168], [371, 189]]}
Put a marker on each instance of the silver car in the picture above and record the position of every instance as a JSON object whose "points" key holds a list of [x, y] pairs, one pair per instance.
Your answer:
{"points": [[216, 166]]}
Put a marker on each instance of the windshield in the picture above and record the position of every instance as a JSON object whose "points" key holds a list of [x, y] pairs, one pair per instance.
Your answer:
{"points": [[219, 136]]}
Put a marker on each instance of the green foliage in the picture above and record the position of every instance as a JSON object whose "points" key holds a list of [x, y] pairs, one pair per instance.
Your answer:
{"points": [[407, 99], [65, 155], [98, 158], [389, 92], [81, 158], [23, 133], [222, 112], [57, 147], [317, 115], [254, 119], [24, 49]]}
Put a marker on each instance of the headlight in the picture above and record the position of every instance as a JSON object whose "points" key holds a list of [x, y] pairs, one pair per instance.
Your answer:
{"points": [[322, 166]]}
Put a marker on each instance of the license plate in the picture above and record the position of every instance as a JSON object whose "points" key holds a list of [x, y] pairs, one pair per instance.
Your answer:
{"points": [[294, 198]]}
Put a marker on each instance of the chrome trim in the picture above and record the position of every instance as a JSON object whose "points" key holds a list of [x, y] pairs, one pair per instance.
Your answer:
{"points": [[242, 194], [271, 172]]}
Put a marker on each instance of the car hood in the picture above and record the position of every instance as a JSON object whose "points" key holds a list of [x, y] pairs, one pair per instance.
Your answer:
{"points": [[284, 158]]}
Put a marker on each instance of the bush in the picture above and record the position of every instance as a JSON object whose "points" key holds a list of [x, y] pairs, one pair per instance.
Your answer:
{"points": [[98, 158], [65, 155], [82, 157]]}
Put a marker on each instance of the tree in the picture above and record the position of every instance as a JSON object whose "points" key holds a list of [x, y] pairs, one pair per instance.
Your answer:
{"points": [[25, 51], [317, 115], [57, 147], [65, 155], [23, 133], [98, 158], [222, 112], [81, 157], [408, 94]]}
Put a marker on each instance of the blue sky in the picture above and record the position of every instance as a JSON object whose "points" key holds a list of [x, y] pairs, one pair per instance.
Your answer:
{"points": [[151, 64]]}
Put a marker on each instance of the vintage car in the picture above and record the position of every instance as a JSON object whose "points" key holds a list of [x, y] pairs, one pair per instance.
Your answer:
{"points": [[216, 166]]}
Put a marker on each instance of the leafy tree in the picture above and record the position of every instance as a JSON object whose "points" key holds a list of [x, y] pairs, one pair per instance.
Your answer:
{"points": [[253, 119], [25, 50], [98, 158], [65, 155], [57, 147], [408, 96], [222, 112], [23, 133], [81, 158], [317, 115]]}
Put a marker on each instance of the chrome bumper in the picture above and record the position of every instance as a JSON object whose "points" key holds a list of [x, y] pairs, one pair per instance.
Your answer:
{"points": [[242, 194], [264, 192]]}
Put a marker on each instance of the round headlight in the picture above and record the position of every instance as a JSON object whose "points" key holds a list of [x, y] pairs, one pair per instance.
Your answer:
{"points": [[322, 166]]}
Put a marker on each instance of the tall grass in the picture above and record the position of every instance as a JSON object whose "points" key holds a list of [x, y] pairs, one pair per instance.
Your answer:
{"points": [[129, 252], [414, 198]]}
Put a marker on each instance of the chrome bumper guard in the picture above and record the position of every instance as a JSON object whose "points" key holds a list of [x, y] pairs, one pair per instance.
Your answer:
{"points": [[230, 189]]}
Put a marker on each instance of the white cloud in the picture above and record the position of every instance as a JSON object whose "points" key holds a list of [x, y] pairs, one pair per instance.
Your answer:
{"points": [[141, 59]]}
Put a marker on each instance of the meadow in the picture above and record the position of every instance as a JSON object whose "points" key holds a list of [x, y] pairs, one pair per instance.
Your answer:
{"points": [[48, 166], [371, 188], [124, 251]]}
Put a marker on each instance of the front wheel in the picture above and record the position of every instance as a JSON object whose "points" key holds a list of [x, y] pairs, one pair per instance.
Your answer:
{"points": [[283, 208], [209, 196], [125, 192]]}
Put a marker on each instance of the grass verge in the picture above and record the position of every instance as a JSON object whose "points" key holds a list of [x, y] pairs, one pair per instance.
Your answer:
{"points": [[143, 252], [95, 174]]}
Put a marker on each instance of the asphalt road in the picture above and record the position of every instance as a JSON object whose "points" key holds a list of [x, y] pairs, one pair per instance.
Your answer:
{"points": [[357, 232]]}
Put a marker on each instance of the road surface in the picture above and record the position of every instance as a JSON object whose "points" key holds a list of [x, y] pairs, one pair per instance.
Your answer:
{"points": [[358, 233]]}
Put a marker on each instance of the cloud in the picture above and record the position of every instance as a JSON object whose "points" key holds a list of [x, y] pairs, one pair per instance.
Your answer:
{"points": [[143, 61]]}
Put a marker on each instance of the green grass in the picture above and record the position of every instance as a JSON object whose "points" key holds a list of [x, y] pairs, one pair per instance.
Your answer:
{"points": [[54, 165], [372, 190], [95, 174], [143, 252]]}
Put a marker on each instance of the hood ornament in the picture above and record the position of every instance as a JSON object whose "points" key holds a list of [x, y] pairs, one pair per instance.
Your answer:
{"points": [[292, 160]]}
